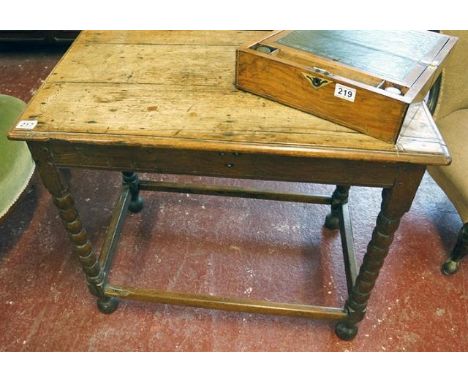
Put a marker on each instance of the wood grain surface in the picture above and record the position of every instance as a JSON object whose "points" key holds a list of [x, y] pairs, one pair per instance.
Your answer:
{"points": [[175, 90]]}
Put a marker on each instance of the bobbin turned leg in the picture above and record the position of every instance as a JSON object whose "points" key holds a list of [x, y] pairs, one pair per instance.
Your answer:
{"points": [[62, 198], [459, 251], [339, 197], [395, 202], [136, 202]]}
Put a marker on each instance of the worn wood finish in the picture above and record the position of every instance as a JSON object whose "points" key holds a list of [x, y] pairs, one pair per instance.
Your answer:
{"points": [[175, 110], [231, 304], [287, 73], [206, 120], [174, 37], [225, 164], [233, 192], [182, 96]]}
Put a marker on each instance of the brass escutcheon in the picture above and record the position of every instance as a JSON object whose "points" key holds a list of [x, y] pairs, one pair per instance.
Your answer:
{"points": [[316, 82]]}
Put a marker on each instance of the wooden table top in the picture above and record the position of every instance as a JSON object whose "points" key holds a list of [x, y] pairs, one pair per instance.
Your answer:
{"points": [[174, 89]]}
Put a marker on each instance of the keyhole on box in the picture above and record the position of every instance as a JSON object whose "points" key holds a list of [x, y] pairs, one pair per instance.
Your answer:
{"points": [[317, 82]]}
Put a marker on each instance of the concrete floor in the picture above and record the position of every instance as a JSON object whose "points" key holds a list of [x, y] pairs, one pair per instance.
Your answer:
{"points": [[220, 246]]}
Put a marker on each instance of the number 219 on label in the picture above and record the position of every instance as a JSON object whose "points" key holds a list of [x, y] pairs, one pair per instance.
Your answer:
{"points": [[344, 92]]}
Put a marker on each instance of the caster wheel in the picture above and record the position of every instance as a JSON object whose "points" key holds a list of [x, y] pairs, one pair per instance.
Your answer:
{"points": [[345, 331], [136, 206], [449, 267], [107, 305], [332, 222]]}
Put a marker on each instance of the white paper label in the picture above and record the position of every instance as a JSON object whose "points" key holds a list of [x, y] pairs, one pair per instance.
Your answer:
{"points": [[26, 125], [344, 92]]}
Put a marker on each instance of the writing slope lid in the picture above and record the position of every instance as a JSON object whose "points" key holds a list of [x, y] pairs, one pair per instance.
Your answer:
{"points": [[399, 56]]}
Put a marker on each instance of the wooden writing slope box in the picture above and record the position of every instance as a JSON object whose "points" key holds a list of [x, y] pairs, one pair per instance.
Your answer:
{"points": [[364, 80]]}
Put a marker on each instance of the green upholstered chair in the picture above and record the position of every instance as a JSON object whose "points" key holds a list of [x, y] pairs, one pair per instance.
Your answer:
{"points": [[451, 115], [16, 164]]}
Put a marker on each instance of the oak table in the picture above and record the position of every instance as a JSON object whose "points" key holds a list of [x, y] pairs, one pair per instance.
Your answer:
{"points": [[164, 102]]}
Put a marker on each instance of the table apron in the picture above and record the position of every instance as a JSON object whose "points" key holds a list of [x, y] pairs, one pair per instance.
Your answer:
{"points": [[222, 164]]}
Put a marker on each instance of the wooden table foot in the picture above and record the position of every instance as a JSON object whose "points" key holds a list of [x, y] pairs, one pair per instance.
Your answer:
{"points": [[346, 330], [107, 305]]}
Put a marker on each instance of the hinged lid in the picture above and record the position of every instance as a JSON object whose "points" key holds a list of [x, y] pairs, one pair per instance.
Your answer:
{"points": [[399, 56], [394, 59]]}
